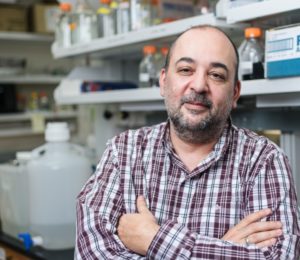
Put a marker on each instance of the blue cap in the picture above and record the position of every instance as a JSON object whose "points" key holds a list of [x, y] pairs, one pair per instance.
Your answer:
{"points": [[27, 240]]}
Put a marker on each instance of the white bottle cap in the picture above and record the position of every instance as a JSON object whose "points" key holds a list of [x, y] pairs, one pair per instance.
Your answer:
{"points": [[57, 132], [23, 156]]}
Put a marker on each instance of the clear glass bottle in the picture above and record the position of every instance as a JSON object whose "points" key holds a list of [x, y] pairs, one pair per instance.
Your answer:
{"points": [[251, 54], [160, 59], [147, 69], [64, 26], [106, 26], [155, 14], [122, 17], [85, 23], [140, 12]]}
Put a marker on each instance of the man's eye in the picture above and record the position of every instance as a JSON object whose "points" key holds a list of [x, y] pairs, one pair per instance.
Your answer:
{"points": [[185, 71], [217, 76]]}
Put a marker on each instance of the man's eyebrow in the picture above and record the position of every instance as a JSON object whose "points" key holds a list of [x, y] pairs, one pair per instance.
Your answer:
{"points": [[185, 59], [219, 65]]}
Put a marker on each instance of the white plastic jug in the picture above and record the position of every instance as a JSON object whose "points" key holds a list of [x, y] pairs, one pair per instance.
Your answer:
{"points": [[14, 195], [57, 172]]}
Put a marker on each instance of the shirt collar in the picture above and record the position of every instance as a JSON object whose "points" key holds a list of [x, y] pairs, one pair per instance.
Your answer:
{"points": [[218, 151]]}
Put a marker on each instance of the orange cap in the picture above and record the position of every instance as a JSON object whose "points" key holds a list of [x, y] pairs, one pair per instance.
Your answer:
{"points": [[164, 50], [105, 1], [253, 32], [149, 49], [66, 7]]}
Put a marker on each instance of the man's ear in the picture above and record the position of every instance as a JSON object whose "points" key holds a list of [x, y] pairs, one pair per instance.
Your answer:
{"points": [[236, 94], [162, 81]]}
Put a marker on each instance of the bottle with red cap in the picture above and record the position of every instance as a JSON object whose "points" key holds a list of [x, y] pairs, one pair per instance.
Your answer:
{"points": [[251, 54], [147, 69]]}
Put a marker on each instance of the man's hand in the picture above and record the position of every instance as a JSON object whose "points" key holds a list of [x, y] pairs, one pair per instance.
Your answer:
{"points": [[137, 231], [252, 231]]}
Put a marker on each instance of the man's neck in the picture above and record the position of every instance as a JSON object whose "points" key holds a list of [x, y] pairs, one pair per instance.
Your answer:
{"points": [[191, 154]]}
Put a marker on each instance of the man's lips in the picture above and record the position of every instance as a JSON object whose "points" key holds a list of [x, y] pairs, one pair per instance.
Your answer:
{"points": [[195, 105]]}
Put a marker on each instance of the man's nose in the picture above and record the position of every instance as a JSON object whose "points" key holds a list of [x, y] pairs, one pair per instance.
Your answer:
{"points": [[199, 82]]}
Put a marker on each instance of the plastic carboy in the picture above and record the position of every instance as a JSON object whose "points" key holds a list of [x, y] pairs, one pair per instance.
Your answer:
{"points": [[57, 172], [14, 195], [251, 54], [147, 67]]}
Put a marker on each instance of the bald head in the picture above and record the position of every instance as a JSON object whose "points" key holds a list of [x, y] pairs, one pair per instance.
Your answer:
{"points": [[208, 29]]}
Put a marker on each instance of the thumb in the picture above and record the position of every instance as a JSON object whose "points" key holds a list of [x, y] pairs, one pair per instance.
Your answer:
{"points": [[141, 205]]}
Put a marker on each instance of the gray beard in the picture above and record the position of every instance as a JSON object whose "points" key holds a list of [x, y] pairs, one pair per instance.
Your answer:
{"points": [[206, 130]]}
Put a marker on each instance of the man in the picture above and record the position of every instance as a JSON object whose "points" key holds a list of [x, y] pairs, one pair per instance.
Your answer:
{"points": [[196, 187]]}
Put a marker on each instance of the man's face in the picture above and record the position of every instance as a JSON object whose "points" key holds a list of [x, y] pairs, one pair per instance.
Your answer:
{"points": [[198, 86]]}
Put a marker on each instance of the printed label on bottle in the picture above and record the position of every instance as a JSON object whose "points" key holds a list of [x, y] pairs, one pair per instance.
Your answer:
{"points": [[144, 77], [246, 67]]}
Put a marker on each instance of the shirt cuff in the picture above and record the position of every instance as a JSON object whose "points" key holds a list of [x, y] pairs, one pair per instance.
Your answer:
{"points": [[168, 242]]}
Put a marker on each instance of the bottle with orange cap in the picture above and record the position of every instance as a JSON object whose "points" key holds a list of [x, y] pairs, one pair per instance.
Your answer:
{"points": [[147, 71], [160, 59], [85, 23], [251, 54], [64, 26]]}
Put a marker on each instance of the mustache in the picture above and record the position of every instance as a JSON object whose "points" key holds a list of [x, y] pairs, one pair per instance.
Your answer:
{"points": [[195, 97]]}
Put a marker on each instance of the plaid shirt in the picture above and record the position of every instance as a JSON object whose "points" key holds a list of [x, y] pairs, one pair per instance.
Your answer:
{"points": [[243, 174]]}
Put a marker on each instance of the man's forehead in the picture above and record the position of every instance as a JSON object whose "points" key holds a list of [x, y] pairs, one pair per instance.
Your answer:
{"points": [[214, 38]]}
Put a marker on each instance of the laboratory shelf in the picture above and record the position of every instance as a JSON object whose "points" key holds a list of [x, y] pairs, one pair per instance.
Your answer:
{"points": [[30, 79], [263, 9], [16, 117], [270, 86], [112, 96], [132, 42], [249, 88], [25, 37]]}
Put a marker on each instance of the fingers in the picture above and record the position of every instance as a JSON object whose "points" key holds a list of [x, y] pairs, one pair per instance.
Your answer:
{"points": [[257, 227], [254, 217], [142, 206], [266, 243], [264, 237]]}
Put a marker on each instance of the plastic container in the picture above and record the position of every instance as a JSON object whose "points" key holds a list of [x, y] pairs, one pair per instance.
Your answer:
{"points": [[251, 54], [14, 195], [106, 22], [57, 172], [84, 23], [64, 26], [147, 67]]}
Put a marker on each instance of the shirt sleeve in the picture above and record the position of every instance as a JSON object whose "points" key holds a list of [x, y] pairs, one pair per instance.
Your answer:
{"points": [[272, 188], [99, 207]]}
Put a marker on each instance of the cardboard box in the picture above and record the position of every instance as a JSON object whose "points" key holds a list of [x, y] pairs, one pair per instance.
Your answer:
{"points": [[13, 18], [44, 18], [282, 53]]}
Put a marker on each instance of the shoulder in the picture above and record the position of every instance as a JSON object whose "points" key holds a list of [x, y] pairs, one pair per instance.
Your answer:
{"points": [[255, 144]]}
